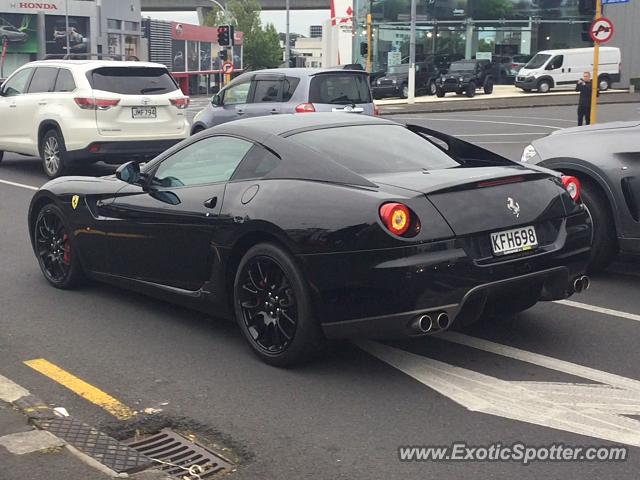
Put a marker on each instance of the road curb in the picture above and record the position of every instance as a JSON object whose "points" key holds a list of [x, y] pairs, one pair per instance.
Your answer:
{"points": [[502, 104]]}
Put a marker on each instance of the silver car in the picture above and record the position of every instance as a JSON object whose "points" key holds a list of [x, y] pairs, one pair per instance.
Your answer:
{"points": [[12, 35], [288, 90]]}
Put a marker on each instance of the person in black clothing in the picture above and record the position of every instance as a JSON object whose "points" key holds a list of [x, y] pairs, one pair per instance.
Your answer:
{"points": [[585, 86]]}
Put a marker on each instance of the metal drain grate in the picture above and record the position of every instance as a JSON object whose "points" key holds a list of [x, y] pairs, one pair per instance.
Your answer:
{"points": [[176, 454]]}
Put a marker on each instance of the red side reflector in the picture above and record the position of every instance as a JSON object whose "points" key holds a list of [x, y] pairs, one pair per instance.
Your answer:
{"points": [[396, 217], [180, 103], [502, 181], [95, 148], [572, 185], [305, 108]]}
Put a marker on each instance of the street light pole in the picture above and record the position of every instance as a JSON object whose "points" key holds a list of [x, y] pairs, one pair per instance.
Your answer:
{"points": [[287, 46], [411, 97], [66, 21]]}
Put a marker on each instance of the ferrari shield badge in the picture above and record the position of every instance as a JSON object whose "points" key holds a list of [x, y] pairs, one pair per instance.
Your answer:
{"points": [[74, 201]]}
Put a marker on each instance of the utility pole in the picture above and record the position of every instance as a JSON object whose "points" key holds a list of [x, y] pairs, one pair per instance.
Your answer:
{"points": [[369, 43], [287, 46], [411, 98], [595, 82]]}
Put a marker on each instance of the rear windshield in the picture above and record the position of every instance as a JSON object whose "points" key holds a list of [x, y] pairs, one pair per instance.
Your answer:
{"points": [[538, 61], [376, 149], [340, 89], [132, 80]]}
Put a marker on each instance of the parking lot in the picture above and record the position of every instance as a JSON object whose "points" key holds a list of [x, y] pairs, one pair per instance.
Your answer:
{"points": [[565, 372]]}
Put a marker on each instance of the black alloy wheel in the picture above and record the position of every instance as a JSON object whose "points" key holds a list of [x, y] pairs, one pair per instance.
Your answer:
{"points": [[471, 90], [52, 243], [273, 308], [432, 88]]}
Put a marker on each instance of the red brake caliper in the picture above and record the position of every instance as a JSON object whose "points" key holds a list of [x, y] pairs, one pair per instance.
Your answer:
{"points": [[67, 249]]}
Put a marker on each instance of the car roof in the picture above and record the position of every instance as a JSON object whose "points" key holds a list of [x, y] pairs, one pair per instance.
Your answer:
{"points": [[297, 72], [283, 124], [92, 64]]}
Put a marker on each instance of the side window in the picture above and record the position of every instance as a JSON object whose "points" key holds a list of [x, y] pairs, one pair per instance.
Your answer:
{"points": [[64, 82], [258, 162], [556, 63], [289, 87], [210, 160], [267, 91], [17, 84], [43, 80], [237, 94]]}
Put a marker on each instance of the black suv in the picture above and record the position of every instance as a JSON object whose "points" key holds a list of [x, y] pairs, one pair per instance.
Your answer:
{"points": [[395, 83], [466, 76]]}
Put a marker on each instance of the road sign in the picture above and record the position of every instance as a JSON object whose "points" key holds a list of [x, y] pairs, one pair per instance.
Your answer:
{"points": [[601, 30], [611, 2], [227, 68]]}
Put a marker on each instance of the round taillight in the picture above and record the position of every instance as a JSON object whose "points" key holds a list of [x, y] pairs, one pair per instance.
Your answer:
{"points": [[396, 217], [572, 186]]}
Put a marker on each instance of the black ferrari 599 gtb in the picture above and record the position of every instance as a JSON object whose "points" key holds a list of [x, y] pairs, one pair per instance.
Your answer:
{"points": [[314, 226]]}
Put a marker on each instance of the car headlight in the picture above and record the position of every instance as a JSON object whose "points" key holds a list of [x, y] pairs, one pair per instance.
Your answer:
{"points": [[528, 154], [461, 79], [378, 82], [393, 81]]}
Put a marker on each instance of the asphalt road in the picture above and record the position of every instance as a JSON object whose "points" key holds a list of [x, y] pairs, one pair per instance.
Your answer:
{"points": [[346, 415]]}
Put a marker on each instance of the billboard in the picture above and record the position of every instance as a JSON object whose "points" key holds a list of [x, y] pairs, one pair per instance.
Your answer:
{"points": [[56, 34], [20, 32]]}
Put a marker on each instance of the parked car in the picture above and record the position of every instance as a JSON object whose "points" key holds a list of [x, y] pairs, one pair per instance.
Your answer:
{"points": [[327, 225], [81, 111], [11, 34], [395, 83], [557, 68], [604, 158], [288, 90], [512, 64], [466, 76]]}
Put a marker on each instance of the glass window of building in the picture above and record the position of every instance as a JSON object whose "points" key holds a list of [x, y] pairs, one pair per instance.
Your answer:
{"points": [[131, 26], [113, 24]]}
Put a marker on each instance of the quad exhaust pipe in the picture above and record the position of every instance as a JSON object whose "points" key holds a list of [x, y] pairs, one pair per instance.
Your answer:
{"points": [[428, 323], [581, 284]]}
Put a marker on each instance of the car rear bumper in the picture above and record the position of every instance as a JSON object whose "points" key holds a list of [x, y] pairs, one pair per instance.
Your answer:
{"points": [[382, 293], [120, 152]]}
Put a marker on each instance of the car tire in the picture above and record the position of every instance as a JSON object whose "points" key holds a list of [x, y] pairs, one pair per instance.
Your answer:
{"points": [[440, 93], [604, 245], [544, 86], [404, 91], [604, 84], [283, 330], [54, 249], [432, 88], [53, 154], [488, 86], [470, 91]]}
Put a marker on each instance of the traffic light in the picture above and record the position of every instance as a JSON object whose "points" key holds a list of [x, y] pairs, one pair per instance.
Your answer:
{"points": [[364, 49], [225, 35], [223, 55], [587, 7]]}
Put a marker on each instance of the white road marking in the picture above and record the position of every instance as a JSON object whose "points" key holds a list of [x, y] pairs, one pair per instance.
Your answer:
{"points": [[591, 410], [525, 117], [465, 120], [10, 391], [19, 185], [605, 311]]}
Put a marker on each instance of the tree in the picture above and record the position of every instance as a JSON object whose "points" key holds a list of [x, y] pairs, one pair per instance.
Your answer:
{"points": [[261, 46]]}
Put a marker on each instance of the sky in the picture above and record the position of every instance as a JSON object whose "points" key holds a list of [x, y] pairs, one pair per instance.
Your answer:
{"points": [[300, 20]]}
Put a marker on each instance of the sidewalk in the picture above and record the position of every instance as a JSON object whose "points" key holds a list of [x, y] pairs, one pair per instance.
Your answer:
{"points": [[504, 96]]}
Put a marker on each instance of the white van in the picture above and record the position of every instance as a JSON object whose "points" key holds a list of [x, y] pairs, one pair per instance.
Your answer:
{"points": [[557, 68]]}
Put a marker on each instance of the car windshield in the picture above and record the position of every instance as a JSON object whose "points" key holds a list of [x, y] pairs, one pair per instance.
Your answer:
{"points": [[538, 61], [132, 80], [376, 149], [340, 89], [462, 67]]}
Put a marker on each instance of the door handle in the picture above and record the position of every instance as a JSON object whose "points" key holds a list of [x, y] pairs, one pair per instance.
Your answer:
{"points": [[240, 112], [42, 103], [211, 203], [274, 112], [13, 105], [563, 70]]}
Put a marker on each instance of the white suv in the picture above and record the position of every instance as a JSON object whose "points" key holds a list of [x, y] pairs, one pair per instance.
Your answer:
{"points": [[83, 111]]}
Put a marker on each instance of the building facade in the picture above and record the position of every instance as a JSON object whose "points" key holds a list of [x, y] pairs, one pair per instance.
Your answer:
{"points": [[315, 31], [464, 28], [310, 49], [31, 30]]}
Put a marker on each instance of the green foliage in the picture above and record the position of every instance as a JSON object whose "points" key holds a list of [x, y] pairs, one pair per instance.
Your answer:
{"points": [[261, 45]]}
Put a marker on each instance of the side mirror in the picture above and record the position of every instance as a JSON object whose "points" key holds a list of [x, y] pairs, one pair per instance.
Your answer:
{"points": [[216, 100], [128, 172]]}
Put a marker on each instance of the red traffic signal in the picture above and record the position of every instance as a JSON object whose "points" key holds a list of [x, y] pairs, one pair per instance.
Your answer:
{"points": [[225, 35]]}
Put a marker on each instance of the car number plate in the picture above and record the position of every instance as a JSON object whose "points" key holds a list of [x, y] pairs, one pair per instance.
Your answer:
{"points": [[143, 112], [513, 241]]}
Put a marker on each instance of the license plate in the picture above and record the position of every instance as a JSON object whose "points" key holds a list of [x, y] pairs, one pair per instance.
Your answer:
{"points": [[512, 241], [143, 112]]}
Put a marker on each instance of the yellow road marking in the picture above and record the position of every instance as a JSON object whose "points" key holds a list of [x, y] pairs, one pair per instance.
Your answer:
{"points": [[82, 388]]}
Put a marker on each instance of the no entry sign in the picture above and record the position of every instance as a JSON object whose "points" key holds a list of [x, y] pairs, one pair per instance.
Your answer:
{"points": [[227, 67], [601, 30]]}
